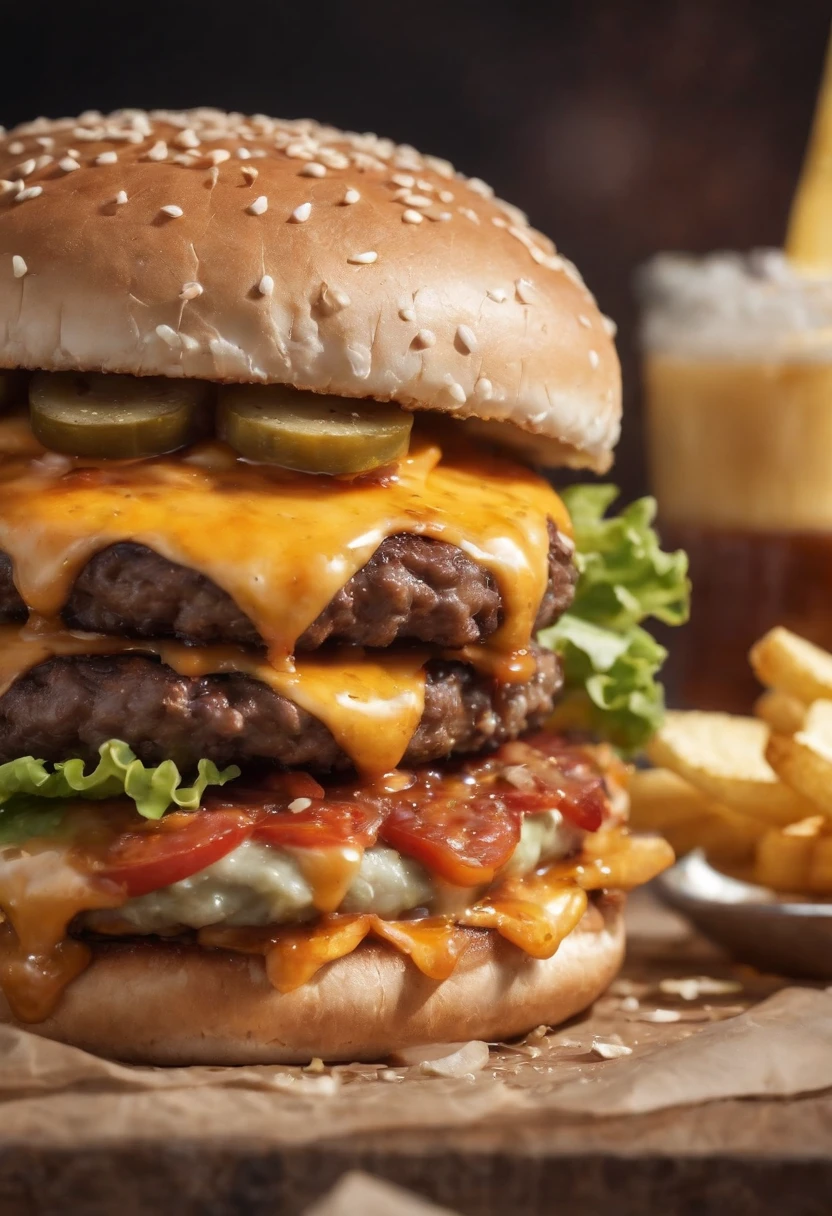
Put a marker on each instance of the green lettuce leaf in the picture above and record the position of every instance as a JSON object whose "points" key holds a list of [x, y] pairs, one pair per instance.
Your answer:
{"points": [[624, 577], [118, 772]]}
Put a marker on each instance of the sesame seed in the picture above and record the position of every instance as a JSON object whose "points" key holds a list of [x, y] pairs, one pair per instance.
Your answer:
{"points": [[407, 314], [159, 151], [469, 214], [249, 173], [416, 200], [497, 294], [403, 179], [412, 217], [16, 147], [301, 213], [172, 210], [446, 196], [499, 221], [585, 321], [332, 299], [610, 1051], [169, 336], [187, 139], [43, 161], [266, 285], [190, 291], [456, 392], [259, 205], [423, 339], [424, 185], [610, 326], [7, 187], [466, 339], [46, 142], [218, 156], [594, 359], [313, 169], [351, 195], [27, 167], [480, 187], [484, 388], [32, 192], [19, 267], [523, 290], [121, 198], [106, 158], [296, 806], [363, 259], [188, 342], [69, 164]]}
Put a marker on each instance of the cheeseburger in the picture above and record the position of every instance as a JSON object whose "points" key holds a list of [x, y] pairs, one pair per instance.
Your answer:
{"points": [[308, 678]]}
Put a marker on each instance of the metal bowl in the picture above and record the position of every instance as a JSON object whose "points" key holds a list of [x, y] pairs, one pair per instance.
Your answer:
{"points": [[772, 932]]}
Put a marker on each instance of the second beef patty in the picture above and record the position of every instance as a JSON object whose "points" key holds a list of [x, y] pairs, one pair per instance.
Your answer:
{"points": [[70, 706]]}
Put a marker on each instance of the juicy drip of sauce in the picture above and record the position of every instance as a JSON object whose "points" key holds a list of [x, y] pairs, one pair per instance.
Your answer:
{"points": [[534, 913]]}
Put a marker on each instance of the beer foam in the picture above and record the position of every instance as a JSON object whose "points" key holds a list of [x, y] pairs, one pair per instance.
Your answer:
{"points": [[734, 305]]}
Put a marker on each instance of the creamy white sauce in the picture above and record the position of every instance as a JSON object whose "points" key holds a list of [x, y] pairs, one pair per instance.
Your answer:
{"points": [[257, 884]]}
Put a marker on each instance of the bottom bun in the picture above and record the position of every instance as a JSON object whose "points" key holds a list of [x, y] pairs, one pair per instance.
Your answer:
{"points": [[163, 1003]]}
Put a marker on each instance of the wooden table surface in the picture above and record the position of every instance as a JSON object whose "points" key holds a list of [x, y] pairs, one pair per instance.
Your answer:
{"points": [[747, 1158]]}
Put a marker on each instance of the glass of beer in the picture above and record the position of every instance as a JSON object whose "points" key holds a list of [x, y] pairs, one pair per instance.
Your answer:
{"points": [[738, 382]]}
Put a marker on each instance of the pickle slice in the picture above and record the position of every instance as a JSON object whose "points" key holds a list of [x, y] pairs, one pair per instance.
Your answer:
{"points": [[115, 417], [311, 432]]}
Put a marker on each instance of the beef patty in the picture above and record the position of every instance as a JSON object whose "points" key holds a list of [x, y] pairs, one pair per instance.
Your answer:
{"points": [[412, 589], [70, 706]]}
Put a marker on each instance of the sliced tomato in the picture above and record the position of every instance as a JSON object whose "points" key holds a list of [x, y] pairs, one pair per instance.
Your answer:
{"points": [[465, 841], [571, 775], [151, 855], [321, 825]]}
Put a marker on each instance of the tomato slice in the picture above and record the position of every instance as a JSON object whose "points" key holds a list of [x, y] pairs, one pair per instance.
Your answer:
{"points": [[571, 776], [148, 856], [321, 826], [463, 841]]}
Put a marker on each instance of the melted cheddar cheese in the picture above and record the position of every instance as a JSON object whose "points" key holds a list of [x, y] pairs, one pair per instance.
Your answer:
{"points": [[280, 544]]}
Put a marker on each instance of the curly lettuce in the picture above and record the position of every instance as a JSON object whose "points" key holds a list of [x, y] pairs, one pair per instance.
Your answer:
{"points": [[119, 772], [624, 577]]}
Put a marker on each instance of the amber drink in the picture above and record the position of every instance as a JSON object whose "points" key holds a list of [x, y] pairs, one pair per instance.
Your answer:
{"points": [[738, 382]]}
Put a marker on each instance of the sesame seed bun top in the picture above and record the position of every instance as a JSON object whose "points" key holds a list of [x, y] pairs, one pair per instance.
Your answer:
{"points": [[222, 247]]}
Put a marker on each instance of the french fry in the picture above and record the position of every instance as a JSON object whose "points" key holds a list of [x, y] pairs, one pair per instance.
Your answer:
{"points": [[784, 858], [662, 802], [780, 712], [784, 661], [723, 756], [804, 760]]}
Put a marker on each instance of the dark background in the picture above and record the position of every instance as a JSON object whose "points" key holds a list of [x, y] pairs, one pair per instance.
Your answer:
{"points": [[622, 128]]}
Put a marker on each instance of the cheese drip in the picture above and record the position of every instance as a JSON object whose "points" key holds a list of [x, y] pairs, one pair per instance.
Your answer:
{"points": [[280, 544], [371, 705]]}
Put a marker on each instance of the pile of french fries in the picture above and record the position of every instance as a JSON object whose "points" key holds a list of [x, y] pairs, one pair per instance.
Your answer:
{"points": [[754, 793]]}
